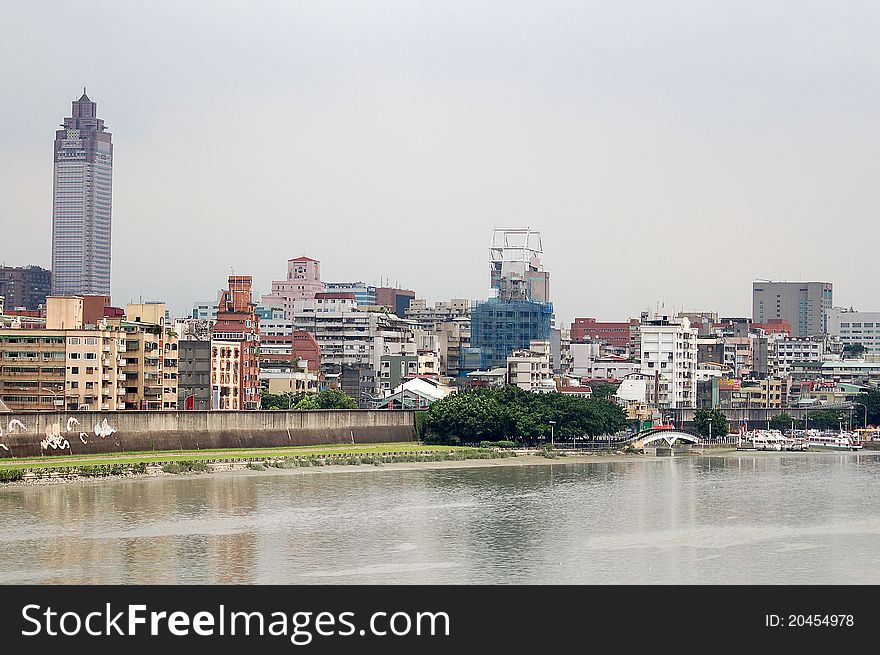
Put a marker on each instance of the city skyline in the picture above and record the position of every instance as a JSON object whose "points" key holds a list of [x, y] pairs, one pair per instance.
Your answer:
{"points": [[654, 172]]}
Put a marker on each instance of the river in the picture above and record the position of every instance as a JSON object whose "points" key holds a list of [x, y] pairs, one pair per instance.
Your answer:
{"points": [[788, 518]]}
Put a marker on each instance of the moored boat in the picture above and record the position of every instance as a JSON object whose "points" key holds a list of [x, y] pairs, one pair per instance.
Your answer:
{"points": [[833, 441]]}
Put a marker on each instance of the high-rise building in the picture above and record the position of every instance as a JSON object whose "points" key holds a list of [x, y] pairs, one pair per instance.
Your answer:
{"points": [[81, 203], [805, 305], [302, 283], [25, 286], [668, 354]]}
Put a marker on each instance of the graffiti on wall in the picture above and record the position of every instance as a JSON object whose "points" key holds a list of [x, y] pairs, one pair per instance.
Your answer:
{"points": [[54, 437]]}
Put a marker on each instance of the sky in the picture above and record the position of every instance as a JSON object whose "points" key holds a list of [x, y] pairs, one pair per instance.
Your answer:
{"points": [[667, 151]]}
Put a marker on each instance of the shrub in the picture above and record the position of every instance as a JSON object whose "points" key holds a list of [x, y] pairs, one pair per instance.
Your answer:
{"points": [[11, 475], [504, 443], [185, 466], [256, 466]]}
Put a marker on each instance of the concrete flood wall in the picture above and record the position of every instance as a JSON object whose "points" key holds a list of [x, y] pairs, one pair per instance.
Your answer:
{"points": [[30, 434]]}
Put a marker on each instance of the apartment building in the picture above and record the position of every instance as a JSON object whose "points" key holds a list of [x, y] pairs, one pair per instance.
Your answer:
{"points": [[668, 349], [24, 286], [529, 368], [194, 374], [348, 335], [791, 350], [151, 359], [854, 327], [453, 336], [429, 317], [61, 365]]}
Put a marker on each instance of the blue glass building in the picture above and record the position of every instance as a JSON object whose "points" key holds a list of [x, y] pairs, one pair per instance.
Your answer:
{"points": [[499, 327]]}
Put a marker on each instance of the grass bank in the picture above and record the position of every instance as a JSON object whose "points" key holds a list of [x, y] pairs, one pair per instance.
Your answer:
{"points": [[127, 464], [61, 462]]}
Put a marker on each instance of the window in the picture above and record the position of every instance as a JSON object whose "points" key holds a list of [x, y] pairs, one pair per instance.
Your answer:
{"points": [[74, 370]]}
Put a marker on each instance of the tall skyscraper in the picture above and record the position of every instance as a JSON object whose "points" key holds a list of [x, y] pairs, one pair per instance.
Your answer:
{"points": [[81, 203]]}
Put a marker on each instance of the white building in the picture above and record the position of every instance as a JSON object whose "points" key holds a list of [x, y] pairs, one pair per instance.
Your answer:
{"points": [[798, 349], [348, 335], [856, 327], [529, 369], [428, 318], [668, 350]]}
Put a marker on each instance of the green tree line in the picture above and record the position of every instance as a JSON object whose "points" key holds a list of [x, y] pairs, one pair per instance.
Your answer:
{"points": [[328, 399], [509, 413]]}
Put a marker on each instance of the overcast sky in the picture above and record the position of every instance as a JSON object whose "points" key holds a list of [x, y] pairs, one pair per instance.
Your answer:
{"points": [[670, 151]]}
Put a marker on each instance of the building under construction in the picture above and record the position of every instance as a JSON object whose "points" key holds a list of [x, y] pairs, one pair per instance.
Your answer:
{"points": [[521, 311]]}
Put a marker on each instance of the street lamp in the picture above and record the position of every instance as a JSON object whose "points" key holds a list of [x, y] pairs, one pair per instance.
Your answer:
{"points": [[552, 423], [866, 412]]}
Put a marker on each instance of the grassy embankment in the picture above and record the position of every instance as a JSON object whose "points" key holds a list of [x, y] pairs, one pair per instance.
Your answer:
{"points": [[168, 456]]}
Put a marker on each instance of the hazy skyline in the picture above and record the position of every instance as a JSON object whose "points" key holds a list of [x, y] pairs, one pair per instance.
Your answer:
{"points": [[671, 151]]}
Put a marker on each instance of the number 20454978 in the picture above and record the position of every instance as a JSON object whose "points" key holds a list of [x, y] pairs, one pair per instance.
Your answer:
{"points": [[809, 620]]}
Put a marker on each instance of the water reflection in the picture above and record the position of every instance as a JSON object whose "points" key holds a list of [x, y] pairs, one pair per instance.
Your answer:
{"points": [[747, 518]]}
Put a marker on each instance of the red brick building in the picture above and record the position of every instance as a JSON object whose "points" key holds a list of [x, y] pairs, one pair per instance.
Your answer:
{"points": [[774, 326], [614, 334], [235, 346]]}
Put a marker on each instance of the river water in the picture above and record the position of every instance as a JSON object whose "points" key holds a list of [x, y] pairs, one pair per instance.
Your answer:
{"points": [[787, 518]]}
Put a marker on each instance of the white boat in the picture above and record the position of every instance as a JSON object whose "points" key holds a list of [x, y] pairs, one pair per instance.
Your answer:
{"points": [[832, 441], [768, 440], [762, 440]]}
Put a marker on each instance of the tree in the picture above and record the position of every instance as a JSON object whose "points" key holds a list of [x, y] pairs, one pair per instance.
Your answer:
{"points": [[782, 422], [307, 402], [328, 399], [604, 391], [509, 413], [335, 399], [854, 349], [277, 401], [826, 419], [702, 419]]}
